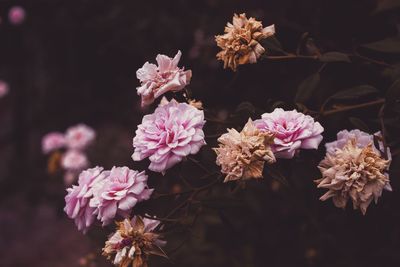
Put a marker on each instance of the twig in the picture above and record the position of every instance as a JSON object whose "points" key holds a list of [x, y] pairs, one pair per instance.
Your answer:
{"points": [[347, 108]]}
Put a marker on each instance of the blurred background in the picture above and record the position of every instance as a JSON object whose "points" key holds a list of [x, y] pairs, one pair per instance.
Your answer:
{"points": [[67, 62]]}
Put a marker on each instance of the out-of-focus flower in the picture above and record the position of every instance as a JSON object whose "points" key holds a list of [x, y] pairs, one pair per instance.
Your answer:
{"points": [[157, 80], [133, 242], [16, 15], [242, 155], [78, 197], [3, 88], [52, 141], [362, 139], [74, 160], [119, 192], [172, 132], [79, 136], [292, 130], [354, 173], [240, 43]]}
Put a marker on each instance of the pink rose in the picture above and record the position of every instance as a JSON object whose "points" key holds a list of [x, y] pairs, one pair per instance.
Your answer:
{"points": [[78, 197], [79, 136], [157, 80], [119, 192], [172, 132], [16, 15], [74, 160], [52, 141], [292, 130]]}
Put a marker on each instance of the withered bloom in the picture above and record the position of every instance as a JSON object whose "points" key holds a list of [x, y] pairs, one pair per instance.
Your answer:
{"points": [[355, 173], [133, 242], [242, 155], [241, 42]]}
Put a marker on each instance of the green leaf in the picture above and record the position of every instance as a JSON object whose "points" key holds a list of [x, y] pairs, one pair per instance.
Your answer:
{"points": [[388, 45], [272, 44], [359, 124], [355, 92], [246, 107], [307, 88], [334, 57]]}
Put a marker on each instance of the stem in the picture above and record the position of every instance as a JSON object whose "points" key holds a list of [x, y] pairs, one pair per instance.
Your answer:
{"points": [[347, 108]]}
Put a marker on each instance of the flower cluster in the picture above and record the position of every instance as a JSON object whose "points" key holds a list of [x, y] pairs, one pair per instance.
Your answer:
{"points": [[172, 132], [156, 80], [74, 141], [353, 169], [105, 194], [241, 42], [133, 242], [242, 155]]}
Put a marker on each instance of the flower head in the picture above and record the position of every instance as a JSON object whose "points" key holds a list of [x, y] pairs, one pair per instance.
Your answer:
{"points": [[3, 88], [78, 197], [119, 192], [242, 155], [156, 80], [52, 141], [172, 132], [133, 242], [16, 15], [354, 173], [74, 160], [292, 130], [79, 136], [241, 42]]}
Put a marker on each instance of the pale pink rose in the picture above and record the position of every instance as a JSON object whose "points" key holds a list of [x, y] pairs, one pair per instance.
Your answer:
{"points": [[3, 88], [119, 192], [157, 80], [78, 197], [16, 15], [362, 139], [292, 131], [74, 160], [172, 132], [79, 136], [52, 141]]}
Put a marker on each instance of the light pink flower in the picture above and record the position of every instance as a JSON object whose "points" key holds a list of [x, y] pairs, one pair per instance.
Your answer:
{"points": [[78, 197], [52, 141], [292, 131], [361, 138], [74, 160], [79, 136], [16, 15], [157, 80], [119, 192], [3, 88], [172, 132]]}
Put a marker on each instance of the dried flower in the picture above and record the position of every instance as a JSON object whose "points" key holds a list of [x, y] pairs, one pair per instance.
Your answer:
{"points": [[78, 197], [133, 242], [172, 132], [74, 160], [79, 136], [240, 43], [52, 141], [196, 103], [54, 162], [118, 193], [354, 173], [242, 155], [292, 130], [158, 80]]}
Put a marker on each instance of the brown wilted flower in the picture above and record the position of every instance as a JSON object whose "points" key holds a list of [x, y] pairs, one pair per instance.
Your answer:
{"points": [[133, 242], [241, 42], [196, 103], [354, 173], [242, 155], [54, 163]]}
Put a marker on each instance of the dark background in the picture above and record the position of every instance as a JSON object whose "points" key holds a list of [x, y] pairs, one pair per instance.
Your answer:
{"points": [[75, 61]]}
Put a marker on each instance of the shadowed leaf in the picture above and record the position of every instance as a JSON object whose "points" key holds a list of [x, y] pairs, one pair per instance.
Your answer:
{"points": [[359, 124], [307, 88], [355, 92], [334, 57], [388, 45]]}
